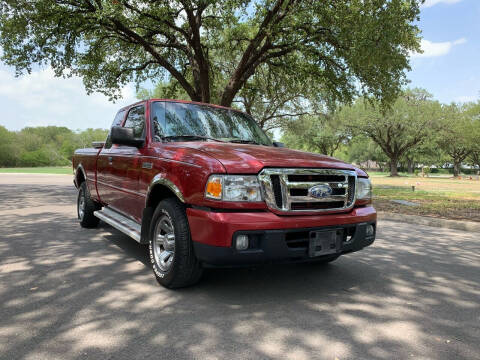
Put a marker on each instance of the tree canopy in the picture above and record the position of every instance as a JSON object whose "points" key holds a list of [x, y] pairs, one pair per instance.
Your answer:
{"points": [[271, 98], [410, 121], [44, 145], [415, 130], [213, 48], [322, 133], [459, 137]]}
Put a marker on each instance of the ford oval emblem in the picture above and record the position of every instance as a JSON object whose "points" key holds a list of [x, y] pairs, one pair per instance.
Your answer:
{"points": [[320, 191]]}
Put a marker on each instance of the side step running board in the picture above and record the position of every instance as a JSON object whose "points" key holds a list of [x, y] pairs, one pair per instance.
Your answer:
{"points": [[120, 222]]}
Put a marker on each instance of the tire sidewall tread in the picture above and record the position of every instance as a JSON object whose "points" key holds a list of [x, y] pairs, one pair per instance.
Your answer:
{"points": [[185, 269], [89, 220]]}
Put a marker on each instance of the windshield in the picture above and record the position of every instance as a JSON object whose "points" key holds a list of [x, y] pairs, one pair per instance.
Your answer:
{"points": [[192, 122]]}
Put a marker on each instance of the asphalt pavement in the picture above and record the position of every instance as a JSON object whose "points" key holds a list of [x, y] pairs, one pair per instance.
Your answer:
{"points": [[73, 293]]}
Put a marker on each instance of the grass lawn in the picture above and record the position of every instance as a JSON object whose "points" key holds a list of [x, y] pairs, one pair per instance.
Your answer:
{"points": [[440, 197], [40, 170]]}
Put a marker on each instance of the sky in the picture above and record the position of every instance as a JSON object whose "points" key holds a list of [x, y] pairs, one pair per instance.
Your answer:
{"points": [[449, 68]]}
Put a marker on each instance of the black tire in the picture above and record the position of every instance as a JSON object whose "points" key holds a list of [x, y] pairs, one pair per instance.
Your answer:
{"points": [[182, 268], [86, 217]]}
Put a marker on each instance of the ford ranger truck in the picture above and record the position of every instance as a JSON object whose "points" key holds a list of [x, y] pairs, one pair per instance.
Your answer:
{"points": [[204, 186]]}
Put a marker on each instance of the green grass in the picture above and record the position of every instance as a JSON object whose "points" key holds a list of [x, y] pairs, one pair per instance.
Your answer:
{"points": [[447, 198], [67, 170], [439, 173], [385, 174]]}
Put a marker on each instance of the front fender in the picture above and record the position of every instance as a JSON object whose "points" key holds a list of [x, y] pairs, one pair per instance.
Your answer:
{"points": [[79, 170], [161, 179]]}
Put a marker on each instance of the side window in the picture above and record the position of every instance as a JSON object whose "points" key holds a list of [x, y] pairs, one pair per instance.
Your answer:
{"points": [[158, 120], [136, 120], [116, 122]]}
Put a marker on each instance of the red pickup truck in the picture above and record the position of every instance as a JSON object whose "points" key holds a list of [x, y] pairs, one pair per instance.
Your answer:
{"points": [[203, 185]]}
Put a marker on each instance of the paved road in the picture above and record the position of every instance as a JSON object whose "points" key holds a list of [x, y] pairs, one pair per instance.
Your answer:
{"points": [[72, 293]]}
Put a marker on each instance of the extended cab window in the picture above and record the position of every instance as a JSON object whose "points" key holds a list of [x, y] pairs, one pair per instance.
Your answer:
{"points": [[136, 120]]}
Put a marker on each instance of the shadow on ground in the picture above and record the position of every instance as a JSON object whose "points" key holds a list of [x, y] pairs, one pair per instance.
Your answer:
{"points": [[67, 292]]}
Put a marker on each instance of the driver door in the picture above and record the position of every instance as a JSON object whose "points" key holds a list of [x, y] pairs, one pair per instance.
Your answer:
{"points": [[119, 170]]}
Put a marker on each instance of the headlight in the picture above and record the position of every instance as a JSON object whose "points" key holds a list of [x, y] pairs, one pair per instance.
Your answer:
{"points": [[233, 188], [364, 190]]}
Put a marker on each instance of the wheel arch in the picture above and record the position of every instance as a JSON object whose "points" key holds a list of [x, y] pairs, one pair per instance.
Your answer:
{"points": [[160, 188], [80, 176]]}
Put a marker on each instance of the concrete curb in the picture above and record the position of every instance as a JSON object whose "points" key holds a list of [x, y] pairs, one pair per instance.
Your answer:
{"points": [[470, 226]]}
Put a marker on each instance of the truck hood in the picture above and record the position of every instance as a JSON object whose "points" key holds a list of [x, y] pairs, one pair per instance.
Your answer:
{"points": [[246, 158]]}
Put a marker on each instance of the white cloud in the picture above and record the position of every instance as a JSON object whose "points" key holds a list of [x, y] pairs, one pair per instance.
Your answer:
{"points": [[432, 49], [40, 99], [430, 3]]}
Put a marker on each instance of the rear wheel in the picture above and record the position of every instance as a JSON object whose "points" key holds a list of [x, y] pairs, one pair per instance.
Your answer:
{"points": [[86, 207], [170, 245]]}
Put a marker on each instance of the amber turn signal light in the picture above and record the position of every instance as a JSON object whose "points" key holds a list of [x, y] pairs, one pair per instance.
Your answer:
{"points": [[214, 187]]}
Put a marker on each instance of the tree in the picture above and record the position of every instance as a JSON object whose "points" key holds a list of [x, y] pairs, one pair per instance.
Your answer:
{"points": [[458, 138], [44, 145], [427, 153], [109, 43], [407, 124], [8, 148], [324, 134], [270, 97], [362, 150], [474, 158], [163, 90], [86, 137], [274, 98]]}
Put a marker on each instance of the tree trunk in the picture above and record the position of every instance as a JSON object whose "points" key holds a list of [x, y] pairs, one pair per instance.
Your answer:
{"points": [[410, 166], [393, 167], [456, 168], [237, 80]]}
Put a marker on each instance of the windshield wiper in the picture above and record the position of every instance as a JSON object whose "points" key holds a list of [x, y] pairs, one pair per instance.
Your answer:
{"points": [[243, 141], [189, 137], [201, 137]]}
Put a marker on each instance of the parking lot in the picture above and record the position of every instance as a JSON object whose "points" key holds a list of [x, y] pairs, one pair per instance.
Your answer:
{"points": [[68, 293]]}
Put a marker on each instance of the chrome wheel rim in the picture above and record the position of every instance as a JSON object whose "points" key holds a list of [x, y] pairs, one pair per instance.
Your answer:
{"points": [[164, 243], [81, 205]]}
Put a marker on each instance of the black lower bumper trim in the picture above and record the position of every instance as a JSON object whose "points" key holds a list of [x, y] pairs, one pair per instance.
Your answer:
{"points": [[286, 245]]}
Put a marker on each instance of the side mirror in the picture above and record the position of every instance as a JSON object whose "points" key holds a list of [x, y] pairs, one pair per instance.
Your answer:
{"points": [[124, 136], [278, 144]]}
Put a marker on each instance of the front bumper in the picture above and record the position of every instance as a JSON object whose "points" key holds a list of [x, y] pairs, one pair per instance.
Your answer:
{"points": [[274, 238]]}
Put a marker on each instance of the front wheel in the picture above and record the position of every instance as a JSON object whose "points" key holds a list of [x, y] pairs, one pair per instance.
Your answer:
{"points": [[86, 207], [170, 246]]}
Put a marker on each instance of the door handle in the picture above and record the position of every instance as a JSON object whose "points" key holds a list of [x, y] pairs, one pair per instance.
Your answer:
{"points": [[110, 160]]}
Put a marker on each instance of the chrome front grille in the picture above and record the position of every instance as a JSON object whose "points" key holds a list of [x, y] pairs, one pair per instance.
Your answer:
{"points": [[290, 190]]}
